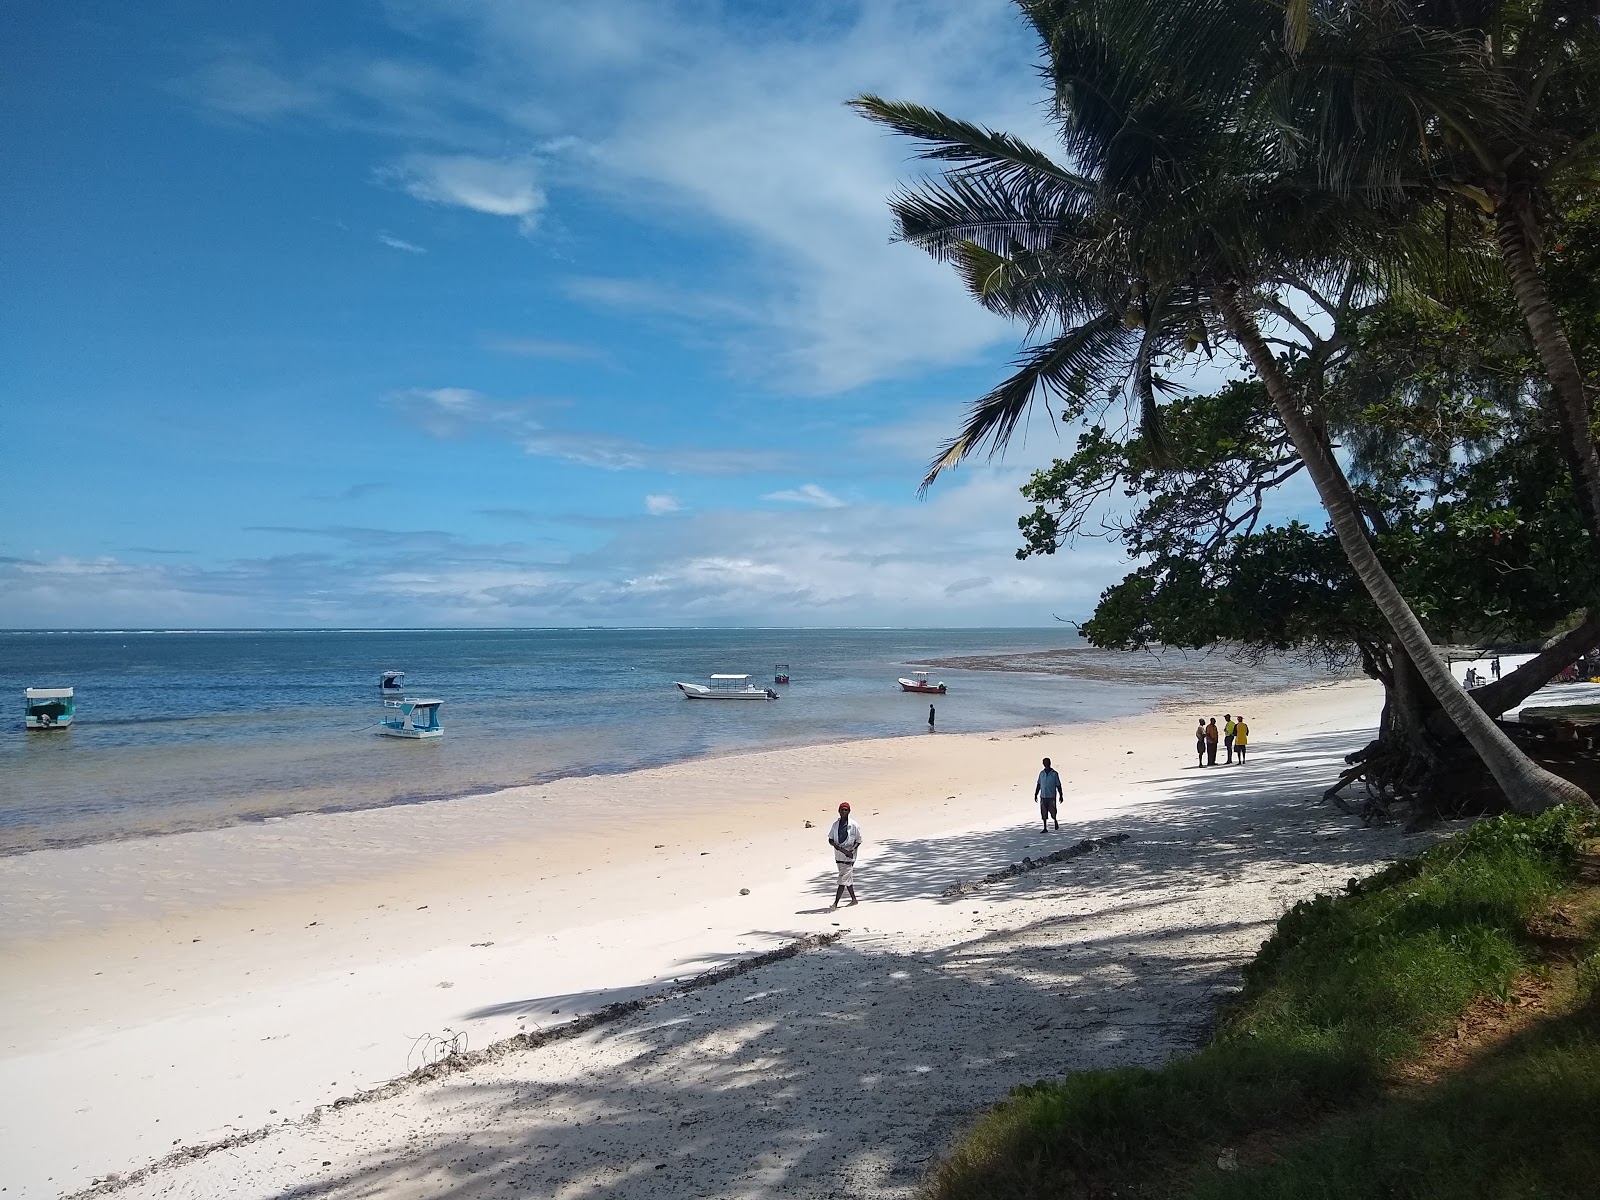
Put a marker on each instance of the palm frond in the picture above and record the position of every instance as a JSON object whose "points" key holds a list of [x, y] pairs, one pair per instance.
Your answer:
{"points": [[946, 139], [1070, 367]]}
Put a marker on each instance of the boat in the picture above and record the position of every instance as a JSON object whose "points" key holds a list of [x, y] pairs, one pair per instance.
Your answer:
{"points": [[408, 718], [47, 708], [919, 683], [780, 673], [726, 687], [390, 685]]}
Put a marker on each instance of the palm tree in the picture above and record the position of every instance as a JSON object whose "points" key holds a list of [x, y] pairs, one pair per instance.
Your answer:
{"points": [[1501, 107], [1176, 214]]}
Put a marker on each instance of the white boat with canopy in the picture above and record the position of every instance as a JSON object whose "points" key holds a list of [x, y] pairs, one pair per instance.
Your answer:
{"points": [[407, 718], [727, 687], [47, 708], [390, 684]]}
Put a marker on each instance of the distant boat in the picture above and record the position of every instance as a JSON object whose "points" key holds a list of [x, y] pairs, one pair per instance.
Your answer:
{"points": [[780, 673], [726, 687], [47, 708], [408, 718], [389, 685], [919, 683]]}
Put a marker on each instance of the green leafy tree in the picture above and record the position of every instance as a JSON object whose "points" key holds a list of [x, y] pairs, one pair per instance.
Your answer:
{"points": [[1173, 229]]}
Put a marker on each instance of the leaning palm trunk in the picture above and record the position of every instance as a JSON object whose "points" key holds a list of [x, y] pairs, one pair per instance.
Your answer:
{"points": [[1560, 363], [1527, 786]]}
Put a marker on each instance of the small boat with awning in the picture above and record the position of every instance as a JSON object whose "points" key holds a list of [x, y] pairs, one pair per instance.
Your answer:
{"points": [[408, 718], [726, 687], [47, 708], [919, 683]]}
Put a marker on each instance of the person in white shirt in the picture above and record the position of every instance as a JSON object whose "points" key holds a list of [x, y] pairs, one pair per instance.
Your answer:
{"points": [[844, 835]]}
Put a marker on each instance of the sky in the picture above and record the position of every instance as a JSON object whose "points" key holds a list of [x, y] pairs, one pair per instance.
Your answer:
{"points": [[488, 313]]}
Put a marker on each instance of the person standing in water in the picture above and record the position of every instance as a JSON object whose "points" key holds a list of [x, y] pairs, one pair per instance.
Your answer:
{"points": [[1227, 737], [930, 718], [1200, 741], [1241, 738], [844, 835], [1047, 791], [1211, 742]]}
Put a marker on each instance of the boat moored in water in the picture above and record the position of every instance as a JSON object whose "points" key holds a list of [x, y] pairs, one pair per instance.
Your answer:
{"points": [[726, 687], [390, 684], [407, 718], [47, 708], [780, 673], [919, 683]]}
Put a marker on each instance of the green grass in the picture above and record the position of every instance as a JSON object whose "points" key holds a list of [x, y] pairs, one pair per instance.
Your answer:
{"points": [[1525, 1123], [1347, 988]]}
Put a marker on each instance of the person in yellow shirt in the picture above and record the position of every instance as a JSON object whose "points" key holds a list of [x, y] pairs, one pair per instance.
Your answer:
{"points": [[1227, 736], [1241, 738]]}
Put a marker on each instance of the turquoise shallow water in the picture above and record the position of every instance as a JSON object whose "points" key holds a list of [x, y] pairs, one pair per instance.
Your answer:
{"points": [[193, 730]]}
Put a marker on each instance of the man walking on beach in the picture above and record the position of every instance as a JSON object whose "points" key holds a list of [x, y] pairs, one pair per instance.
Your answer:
{"points": [[1227, 736], [1047, 792], [1211, 743], [844, 835], [1241, 738]]}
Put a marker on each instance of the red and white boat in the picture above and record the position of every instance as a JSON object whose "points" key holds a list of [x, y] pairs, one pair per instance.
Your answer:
{"points": [[919, 683]]}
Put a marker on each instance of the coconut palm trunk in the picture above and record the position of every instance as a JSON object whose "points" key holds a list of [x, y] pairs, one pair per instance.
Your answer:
{"points": [[1555, 353], [1527, 786]]}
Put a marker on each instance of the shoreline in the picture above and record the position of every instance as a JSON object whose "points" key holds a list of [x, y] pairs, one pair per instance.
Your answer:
{"points": [[156, 980], [161, 804]]}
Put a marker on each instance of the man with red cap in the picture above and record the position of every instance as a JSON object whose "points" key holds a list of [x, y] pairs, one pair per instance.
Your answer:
{"points": [[844, 835]]}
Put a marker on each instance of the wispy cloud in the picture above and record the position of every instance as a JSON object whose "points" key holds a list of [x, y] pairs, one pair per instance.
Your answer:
{"points": [[356, 491], [810, 494], [395, 243], [686, 116], [242, 86], [534, 347], [870, 563], [661, 505], [452, 412], [497, 187]]}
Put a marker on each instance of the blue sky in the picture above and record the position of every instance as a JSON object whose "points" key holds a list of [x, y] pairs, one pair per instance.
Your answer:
{"points": [[443, 312]]}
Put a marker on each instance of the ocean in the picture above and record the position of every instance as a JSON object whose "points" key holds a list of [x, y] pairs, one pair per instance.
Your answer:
{"points": [[183, 730]]}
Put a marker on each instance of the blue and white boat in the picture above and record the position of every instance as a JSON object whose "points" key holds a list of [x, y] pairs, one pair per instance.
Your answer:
{"points": [[408, 718], [47, 708]]}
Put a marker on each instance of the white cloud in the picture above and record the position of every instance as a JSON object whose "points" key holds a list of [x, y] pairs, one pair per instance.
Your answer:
{"points": [[551, 348], [395, 243], [807, 493], [498, 187], [453, 412], [661, 505], [242, 87], [728, 126], [948, 560]]}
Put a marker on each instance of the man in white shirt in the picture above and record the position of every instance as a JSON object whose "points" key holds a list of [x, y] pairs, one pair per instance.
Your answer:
{"points": [[1047, 791], [844, 835]]}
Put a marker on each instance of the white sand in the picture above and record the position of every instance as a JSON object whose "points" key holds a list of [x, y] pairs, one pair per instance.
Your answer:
{"points": [[176, 990]]}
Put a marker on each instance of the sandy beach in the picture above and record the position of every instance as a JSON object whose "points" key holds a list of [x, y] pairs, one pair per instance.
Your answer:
{"points": [[172, 992]]}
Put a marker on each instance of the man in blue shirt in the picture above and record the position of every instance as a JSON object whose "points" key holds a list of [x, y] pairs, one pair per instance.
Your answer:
{"points": [[1047, 791]]}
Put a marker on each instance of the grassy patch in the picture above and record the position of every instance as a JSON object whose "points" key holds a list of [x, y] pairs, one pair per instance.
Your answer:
{"points": [[1346, 990]]}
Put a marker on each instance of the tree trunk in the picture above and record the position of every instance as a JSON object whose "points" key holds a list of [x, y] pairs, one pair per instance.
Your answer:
{"points": [[1527, 786], [1555, 352]]}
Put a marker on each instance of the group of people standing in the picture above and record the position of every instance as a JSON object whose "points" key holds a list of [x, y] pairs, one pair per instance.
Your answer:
{"points": [[1234, 735]]}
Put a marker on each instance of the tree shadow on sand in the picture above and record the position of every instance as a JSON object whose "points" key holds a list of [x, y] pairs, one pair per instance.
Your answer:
{"points": [[846, 1069]]}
